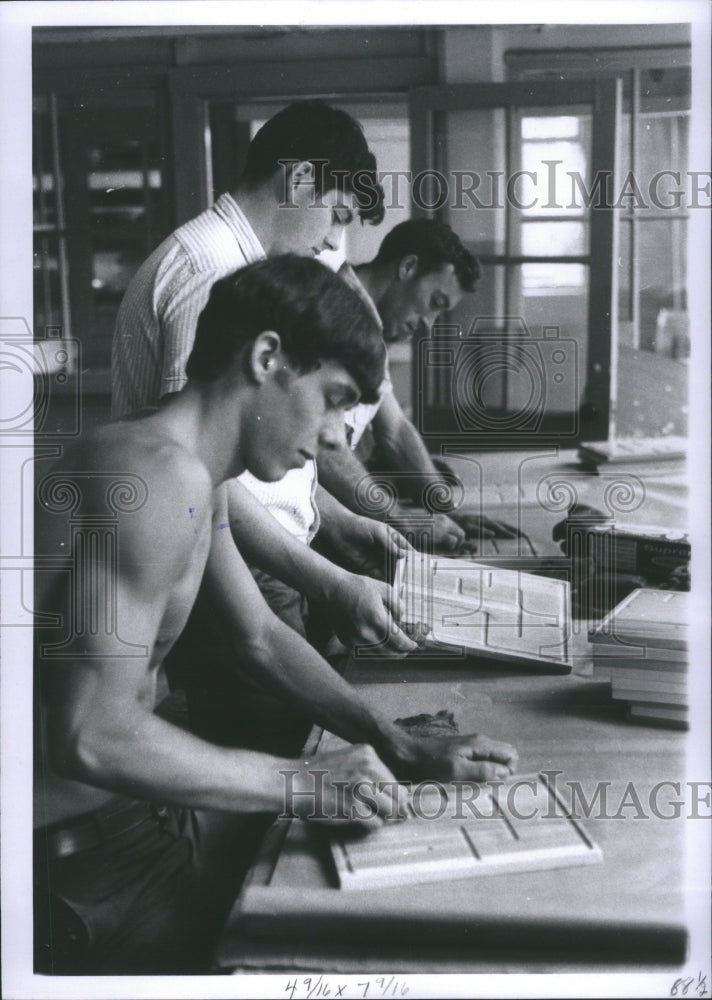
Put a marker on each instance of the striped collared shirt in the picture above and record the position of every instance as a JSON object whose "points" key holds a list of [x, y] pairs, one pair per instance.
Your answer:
{"points": [[155, 327], [155, 330]]}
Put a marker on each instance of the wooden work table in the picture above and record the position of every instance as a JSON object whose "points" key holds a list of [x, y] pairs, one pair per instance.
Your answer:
{"points": [[625, 912]]}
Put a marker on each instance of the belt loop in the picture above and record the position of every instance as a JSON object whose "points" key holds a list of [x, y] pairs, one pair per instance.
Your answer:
{"points": [[160, 814]]}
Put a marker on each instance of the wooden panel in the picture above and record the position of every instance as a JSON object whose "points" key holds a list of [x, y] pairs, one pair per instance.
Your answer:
{"points": [[497, 613], [517, 826]]}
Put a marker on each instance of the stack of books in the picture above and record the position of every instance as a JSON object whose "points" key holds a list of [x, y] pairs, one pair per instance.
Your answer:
{"points": [[641, 647]]}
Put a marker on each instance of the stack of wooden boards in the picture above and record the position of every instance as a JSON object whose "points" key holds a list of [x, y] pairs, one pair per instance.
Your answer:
{"points": [[633, 451], [641, 647], [500, 614]]}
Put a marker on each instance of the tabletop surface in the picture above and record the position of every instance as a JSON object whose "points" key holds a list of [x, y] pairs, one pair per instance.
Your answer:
{"points": [[629, 908], [559, 724]]}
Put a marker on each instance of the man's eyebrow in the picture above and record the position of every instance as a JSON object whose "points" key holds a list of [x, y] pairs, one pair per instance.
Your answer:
{"points": [[345, 394]]}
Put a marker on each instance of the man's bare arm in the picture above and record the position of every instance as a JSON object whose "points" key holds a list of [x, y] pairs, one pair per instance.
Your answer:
{"points": [[344, 476], [288, 666], [404, 450], [363, 609], [98, 708]]}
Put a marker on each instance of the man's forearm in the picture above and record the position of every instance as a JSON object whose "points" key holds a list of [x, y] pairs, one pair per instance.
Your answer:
{"points": [[267, 545], [343, 475], [283, 662], [288, 666], [180, 768], [403, 450]]}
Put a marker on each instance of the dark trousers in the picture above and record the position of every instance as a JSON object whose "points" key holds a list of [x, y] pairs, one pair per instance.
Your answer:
{"points": [[149, 900]]}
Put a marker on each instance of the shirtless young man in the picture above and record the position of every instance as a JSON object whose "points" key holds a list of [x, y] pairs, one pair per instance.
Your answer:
{"points": [[136, 818]]}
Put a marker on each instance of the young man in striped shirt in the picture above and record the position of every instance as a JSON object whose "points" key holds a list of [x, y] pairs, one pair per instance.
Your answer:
{"points": [[308, 173]]}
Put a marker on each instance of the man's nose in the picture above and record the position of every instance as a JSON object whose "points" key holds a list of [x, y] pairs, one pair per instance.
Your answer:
{"points": [[332, 240], [333, 431], [428, 321]]}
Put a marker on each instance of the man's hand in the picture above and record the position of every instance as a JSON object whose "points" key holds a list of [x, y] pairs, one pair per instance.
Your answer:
{"points": [[366, 611], [448, 537], [345, 786], [478, 526], [460, 758], [369, 547], [460, 534]]}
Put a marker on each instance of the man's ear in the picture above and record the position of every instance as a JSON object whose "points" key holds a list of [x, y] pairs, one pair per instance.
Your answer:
{"points": [[408, 267], [299, 175], [265, 356]]}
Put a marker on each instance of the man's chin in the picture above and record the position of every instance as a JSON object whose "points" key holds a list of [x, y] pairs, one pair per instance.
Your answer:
{"points": [[267, 475]]}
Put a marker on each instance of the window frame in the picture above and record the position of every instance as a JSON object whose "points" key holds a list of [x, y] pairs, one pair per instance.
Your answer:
{"points": [[603, 96]]}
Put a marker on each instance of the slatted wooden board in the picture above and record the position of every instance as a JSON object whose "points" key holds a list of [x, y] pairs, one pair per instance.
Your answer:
{"points": [[519, 825], [500, 613], [654, 619]]}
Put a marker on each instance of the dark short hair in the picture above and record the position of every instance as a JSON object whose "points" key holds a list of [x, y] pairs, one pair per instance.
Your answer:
{"points": [[312, 131], [317, 316], [434, 244]]}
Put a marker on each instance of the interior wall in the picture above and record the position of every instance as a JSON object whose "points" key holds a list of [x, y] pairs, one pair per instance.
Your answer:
{"points": [[475, 53]]}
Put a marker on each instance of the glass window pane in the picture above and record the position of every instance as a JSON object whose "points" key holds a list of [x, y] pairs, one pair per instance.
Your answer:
{"points": [[551, 127], [46, 285], [552, 302], [553, 239], [471, 154], [433, 376], [539, 280], [625, 153], [489, 298], [665, 88], [555, 153], [662, 147], [653, 390], [623, 271], [662, 259]]}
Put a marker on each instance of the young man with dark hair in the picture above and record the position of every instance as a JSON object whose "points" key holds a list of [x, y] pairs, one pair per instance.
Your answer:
{"points": [[332, 141], [135, 861], [421, 269], [308, 173]]}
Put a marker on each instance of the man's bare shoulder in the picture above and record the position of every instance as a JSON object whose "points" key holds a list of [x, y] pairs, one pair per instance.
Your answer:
{"points": [[138, 460], [140, 447]]}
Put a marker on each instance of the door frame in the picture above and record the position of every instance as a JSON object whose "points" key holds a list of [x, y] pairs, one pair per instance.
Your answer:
{"points": [[604, 97]]}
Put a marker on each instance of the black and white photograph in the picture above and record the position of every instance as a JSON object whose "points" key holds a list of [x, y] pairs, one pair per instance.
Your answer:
{"points": [[355, 518]]}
